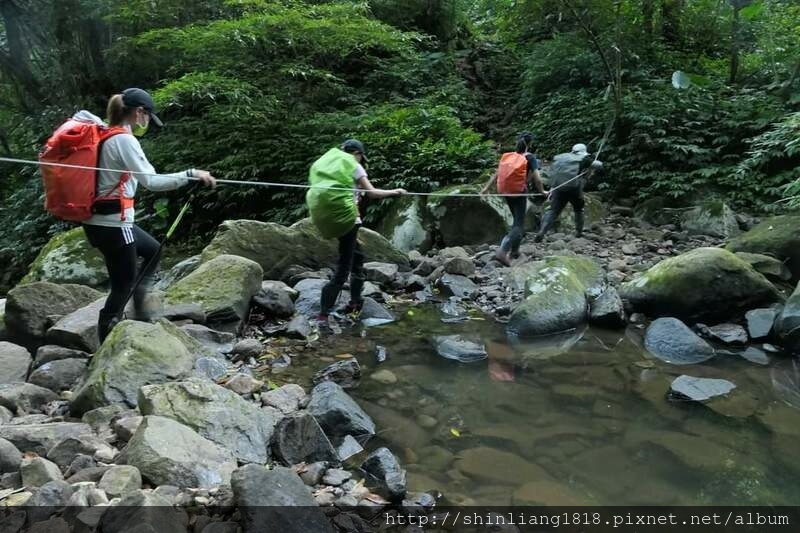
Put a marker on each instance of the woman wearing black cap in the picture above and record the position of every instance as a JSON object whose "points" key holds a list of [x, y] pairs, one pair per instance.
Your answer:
{"points": [[111, 229]]}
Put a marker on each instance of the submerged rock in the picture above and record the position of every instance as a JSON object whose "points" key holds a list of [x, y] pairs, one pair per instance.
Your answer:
{"points": [[346, 374], [672, 341], [699, 389], [276, 247], [776, 236], [459, 348], [703, 284]]}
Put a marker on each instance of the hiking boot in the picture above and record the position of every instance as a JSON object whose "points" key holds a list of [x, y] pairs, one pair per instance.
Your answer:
{"points": [[353, 308], [502, 257], [321, 319]]}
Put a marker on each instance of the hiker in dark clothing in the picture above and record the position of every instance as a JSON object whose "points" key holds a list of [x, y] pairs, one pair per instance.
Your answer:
{"points": [[515, 171], [569, 174]]}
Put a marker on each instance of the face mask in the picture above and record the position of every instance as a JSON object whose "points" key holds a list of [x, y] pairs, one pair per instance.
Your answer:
{"points": [[138, 130]]}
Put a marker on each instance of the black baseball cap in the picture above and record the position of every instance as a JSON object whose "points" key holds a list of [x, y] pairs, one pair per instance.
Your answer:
{"points": [[353, 145], [134, 97]]}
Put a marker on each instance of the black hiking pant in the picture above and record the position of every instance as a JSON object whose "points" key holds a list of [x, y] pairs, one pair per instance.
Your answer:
{"points": [[351, 263], [518, 205], [558, 201], [121, 249]]}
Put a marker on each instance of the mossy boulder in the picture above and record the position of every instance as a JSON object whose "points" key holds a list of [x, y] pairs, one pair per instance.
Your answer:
{"points": [[276, 247], [31, 307], [787, 324], [777, 236], [772, 268], [222, 286], [556, 298], [214, 412], [408, 224], [135, 354], [462, 220], [713, 217], [703, 284], [69, 258]]}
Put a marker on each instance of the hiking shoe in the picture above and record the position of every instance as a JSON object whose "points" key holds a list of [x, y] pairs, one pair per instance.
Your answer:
{"points": [[503, 257], [321, 319], [353, 308]]}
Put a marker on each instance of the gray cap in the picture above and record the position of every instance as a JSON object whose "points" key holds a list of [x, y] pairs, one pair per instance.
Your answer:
{"points": [[579, 149]]}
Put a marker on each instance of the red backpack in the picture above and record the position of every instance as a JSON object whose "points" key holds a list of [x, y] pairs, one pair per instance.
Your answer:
{"points": [[512, 173], [71, 192]]}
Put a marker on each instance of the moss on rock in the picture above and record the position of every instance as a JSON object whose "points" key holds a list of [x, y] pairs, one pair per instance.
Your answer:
{"points": [[777, 236], [702, 284], [69, 258]]}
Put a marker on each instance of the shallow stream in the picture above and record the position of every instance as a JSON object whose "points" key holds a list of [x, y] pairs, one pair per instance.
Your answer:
{"points": [[578, 419]]}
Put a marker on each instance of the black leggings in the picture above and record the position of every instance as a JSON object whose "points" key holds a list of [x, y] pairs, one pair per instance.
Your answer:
{"points": [[121, 248], [558, 201], [518, 205], [351, 262]]}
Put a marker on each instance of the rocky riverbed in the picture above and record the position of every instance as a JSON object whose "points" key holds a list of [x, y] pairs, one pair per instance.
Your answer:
{"points": [[462, 381]]}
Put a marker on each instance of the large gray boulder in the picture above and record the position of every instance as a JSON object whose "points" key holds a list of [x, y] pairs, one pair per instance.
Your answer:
{"points": [[672, 341], [277, 499], [338, 414], [214, 412], [14, 362], [40, 438], [776, 236], [787, 324], [78, 330], [555, 296], [69, 258], [30, 306], [408, 224], [61, 375], [713, 218], [460, 220], [135, 354], [223, 286], [708, 284], [276, 247], [169, 453]]}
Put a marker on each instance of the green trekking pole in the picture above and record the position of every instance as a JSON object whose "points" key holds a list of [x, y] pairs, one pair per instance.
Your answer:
{"points": [[157, 255]]}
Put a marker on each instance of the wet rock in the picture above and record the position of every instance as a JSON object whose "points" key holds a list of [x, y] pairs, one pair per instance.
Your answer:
{"points": [[299, 328], [381, 273], [14, 362], [275, 298], [51, 352], [300, 439], [120, 480], [699, 389], [60, 375], [244, 384], [787, 325], [135, 354], [607, 310], [770, 267], [37, 471], [288, 399], [277, 497], [218, 342], [169, 453], [374, 314], [760, 322], [39, 438], [63, 452], [703, 284], [338, 414], [346, 374], [728, 334], [23, 398], [247, 348], [29, 306], [144, 511], [348, 448], [776, 236], [755, 355], [384, 473], [215, 413], [310, 290], [210, 368], [10, 457], [672, 341], [458, 286], [276, 247], [459, 348], [223, 286], [78, 329]]}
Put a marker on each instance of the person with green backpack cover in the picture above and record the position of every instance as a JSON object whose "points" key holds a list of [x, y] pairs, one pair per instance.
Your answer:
{"points": [[338, 182]]}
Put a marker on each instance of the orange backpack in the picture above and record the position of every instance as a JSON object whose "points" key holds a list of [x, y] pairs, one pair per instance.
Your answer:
{"points": [[512, 173], [71, 192]]}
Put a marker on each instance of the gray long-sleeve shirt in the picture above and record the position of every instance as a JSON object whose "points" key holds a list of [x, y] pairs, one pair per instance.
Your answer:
{"points": [[123, 152]]}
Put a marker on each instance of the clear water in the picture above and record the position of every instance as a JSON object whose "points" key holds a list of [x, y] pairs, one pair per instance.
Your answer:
{"points": [[577, 419]]}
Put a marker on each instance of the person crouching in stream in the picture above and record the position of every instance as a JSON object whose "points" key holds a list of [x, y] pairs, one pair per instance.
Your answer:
{"points": [[515, 171], [339, 183]]}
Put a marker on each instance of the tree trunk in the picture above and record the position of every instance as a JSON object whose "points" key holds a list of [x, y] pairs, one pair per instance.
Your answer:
{"points": [[648, 17], [735, 30], [671, 21], [18, 63]]}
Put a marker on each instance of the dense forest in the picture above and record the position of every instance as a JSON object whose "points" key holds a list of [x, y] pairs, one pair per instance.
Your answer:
{"points": [[701, 98]]}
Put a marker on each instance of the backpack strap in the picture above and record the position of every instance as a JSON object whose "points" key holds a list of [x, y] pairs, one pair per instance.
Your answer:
{"points": [[124, 202]]}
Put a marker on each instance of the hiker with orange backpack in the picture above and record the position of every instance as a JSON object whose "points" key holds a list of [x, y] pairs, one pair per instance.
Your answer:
{"points": [[513, 173], [103, 200]]}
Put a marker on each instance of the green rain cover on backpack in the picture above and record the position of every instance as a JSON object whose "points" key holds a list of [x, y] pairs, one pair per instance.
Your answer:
{"points": [[332, 211]]}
